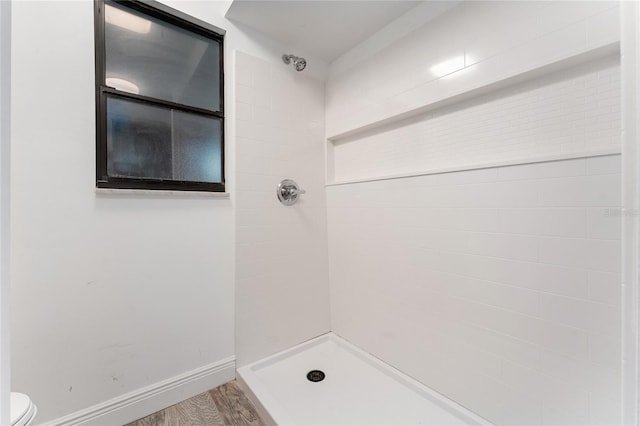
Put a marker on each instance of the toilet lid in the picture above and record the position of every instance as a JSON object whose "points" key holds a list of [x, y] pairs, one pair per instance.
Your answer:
{"points": [[21, 409]]}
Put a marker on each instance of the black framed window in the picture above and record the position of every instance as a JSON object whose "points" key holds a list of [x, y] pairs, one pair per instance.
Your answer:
{"points": [[159, 100]]}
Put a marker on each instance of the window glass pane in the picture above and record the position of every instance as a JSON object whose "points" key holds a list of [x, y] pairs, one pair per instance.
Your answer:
{"points": [[197, 148], [138, 140], [150, 57], [152, 142]]}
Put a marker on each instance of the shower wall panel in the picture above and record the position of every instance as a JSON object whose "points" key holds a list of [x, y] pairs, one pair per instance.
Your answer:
{"points": [[498, 287], [473, 45], [574, 111], [282, 285]]}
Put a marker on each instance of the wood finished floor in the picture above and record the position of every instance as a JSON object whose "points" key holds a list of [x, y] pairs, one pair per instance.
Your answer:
{"points": [[225, 405]]}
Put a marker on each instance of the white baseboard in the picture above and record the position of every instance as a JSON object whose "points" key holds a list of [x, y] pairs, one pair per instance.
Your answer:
{"points": [[142, 402]]}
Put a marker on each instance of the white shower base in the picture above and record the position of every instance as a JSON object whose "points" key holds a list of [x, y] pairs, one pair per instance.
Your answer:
{"points": [[358, 389]]}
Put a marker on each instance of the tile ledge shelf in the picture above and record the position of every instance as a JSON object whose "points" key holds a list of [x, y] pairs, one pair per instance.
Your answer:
{"points": [[550, 66], [488, 165], [115, 192]]}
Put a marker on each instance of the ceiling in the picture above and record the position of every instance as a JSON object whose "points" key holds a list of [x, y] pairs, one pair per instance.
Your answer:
{"points": [[321, 28]]}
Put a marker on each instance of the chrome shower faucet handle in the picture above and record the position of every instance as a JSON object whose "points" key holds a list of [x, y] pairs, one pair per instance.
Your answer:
{"points": [[289, 191]]}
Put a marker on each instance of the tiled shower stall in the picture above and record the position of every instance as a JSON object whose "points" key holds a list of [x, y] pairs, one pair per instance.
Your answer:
{"points": [[472, 218]]}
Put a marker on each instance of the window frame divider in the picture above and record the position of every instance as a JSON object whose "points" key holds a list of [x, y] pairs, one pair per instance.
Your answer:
{"points": [[148, 100]]}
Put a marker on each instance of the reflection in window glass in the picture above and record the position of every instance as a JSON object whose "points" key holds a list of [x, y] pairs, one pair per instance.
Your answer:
{"points": [[153, 58], [138, 140], [151, 142]]}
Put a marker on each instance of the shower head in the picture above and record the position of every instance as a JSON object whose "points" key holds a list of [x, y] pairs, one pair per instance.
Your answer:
{"points": [[298, 62]]}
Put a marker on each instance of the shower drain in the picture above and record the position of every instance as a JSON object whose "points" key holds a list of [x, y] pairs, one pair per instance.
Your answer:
{"points": [[315, 376]]}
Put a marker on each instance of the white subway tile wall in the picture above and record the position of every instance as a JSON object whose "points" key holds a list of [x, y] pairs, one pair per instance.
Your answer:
{"points": [[282, 278], [478, 43], [573, 111], [498, 287]]}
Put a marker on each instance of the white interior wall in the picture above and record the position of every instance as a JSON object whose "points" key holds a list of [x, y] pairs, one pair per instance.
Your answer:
{"points": [[109, 293], [499, 287], [630, 53], [282, 288], [5, 136], [112, 294]]}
